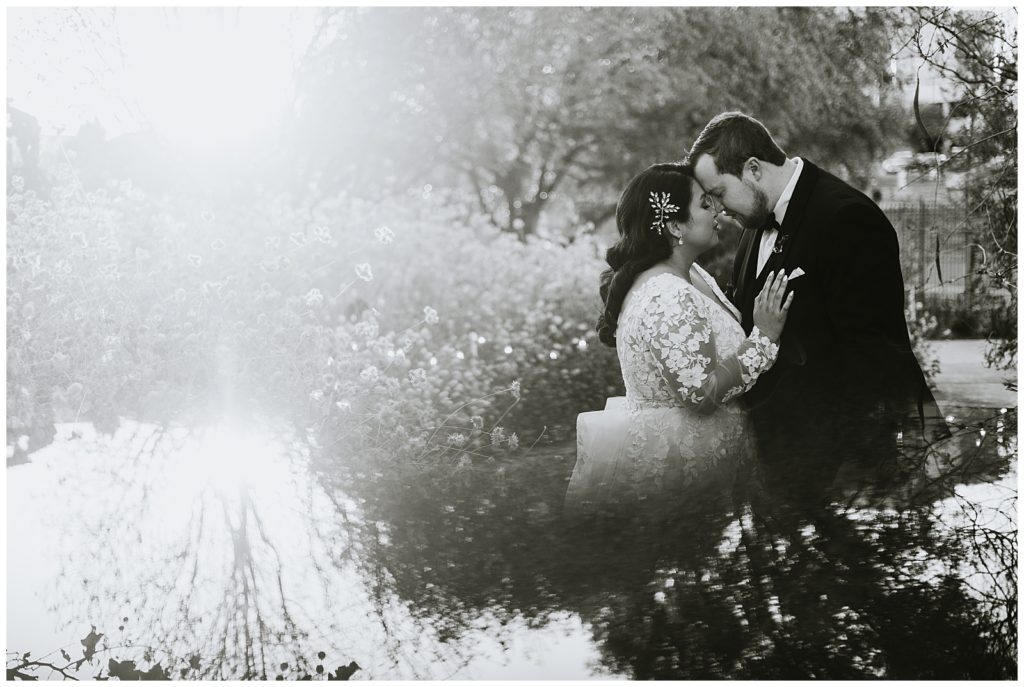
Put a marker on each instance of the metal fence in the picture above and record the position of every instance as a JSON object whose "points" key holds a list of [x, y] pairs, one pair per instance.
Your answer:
{"points": [[940, 260]]}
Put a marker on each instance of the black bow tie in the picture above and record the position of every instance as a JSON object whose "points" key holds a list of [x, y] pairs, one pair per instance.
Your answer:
{"points": [[772, 223]]}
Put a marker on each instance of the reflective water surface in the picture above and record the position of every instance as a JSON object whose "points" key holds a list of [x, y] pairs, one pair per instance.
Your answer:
{"points": [[242, 551]]}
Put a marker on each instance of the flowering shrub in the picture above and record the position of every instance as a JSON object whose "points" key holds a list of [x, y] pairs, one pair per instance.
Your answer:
{"points": [[398, 327], [922, 326]]}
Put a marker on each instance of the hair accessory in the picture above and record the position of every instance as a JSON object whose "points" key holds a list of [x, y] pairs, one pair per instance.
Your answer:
{"points": [[662, 209]]}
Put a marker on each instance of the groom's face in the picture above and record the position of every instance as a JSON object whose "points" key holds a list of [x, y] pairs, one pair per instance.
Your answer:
{"points": [[742, 197]]}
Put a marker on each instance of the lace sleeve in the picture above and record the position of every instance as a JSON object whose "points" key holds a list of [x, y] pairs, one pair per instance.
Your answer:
{"points": [[684, 348]]}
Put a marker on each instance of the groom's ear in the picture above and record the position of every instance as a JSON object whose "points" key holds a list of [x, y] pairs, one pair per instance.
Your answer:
{"points": [[753, 167]]}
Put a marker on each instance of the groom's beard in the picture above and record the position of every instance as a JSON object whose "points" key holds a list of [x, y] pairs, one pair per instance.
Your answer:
{"points": [[759, 212]]}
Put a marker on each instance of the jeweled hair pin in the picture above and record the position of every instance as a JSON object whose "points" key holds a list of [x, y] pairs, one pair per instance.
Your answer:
{"points": [[662, 209]]}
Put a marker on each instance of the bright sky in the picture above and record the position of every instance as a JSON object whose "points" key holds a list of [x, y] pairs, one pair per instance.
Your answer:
{"points": [[200, 76]]}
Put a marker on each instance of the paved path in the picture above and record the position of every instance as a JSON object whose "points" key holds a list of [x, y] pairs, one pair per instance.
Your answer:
{"points": [[964, 379]]}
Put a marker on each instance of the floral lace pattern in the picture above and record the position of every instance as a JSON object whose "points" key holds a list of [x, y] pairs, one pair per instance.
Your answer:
{"points": [[684, 359], [677, 347]]}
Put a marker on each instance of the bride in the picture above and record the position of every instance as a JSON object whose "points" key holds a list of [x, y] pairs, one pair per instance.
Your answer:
{"points": [[684, 356]]}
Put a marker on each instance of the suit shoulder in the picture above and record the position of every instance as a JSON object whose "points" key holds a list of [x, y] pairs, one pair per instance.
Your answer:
{"points": [[843, 204]]}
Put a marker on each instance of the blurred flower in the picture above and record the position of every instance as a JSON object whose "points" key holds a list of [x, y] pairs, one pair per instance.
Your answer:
{"points": [[370, 374], [364, 272], [217, 244], [208, 216], [497, 436], [298, 238], [322, 234], [431, 315], [367, 328], [456, 439], [515, 389], [272, 242], [195, 260], [513, 441], [418, 376], [478, 422], [317, 395], [384, 235], [314, 297], [17, 183]]}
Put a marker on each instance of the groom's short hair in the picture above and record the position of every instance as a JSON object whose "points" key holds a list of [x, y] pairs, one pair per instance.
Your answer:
{"points": [[731, 139]]}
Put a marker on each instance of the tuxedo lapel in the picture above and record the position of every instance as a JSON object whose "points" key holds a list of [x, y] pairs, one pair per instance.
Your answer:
{"points": [[748, 282], [748, 249], [792, 223]]}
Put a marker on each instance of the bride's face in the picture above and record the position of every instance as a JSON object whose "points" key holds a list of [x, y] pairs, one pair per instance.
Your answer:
{"points": [[701, 232]]}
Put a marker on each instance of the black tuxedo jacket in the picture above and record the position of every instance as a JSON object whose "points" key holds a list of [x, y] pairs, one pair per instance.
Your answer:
{"points": [[847, 380]]}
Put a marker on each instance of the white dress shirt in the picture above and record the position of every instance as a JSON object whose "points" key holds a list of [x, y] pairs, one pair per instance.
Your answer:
{"points": [[769, 236]]}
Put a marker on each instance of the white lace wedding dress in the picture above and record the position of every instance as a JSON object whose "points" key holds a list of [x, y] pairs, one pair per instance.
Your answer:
{"points": [[685, 361]]}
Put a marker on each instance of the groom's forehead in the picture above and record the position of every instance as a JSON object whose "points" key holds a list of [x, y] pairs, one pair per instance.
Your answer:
{"points": [[707, 167], [708, 174]]}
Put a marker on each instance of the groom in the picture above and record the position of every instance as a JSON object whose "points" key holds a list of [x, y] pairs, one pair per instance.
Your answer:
{"points": [[846, 387]]}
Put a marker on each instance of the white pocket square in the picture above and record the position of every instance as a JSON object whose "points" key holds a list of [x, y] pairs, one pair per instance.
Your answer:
{"points": [[796, 273]]}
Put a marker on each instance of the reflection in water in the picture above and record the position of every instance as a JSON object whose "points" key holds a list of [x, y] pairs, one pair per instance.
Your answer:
{"points": [[252, 550], [168, 531], [902, 576]]}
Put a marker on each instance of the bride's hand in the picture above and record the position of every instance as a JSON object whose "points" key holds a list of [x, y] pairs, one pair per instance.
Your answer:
{"points": [[772, 305]]}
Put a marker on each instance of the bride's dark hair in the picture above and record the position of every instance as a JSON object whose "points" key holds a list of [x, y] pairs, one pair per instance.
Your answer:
{"points": [[640, 246]]}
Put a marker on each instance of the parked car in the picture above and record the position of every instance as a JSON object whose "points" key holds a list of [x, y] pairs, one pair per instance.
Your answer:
{"points": [[930, 159], [901, 159]]}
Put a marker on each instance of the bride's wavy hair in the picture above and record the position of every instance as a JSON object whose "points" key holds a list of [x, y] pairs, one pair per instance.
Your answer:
{"points": [[640, 245]]}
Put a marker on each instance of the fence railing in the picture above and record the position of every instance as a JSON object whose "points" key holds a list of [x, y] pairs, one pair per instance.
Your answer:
{"points": [[940, 259]]}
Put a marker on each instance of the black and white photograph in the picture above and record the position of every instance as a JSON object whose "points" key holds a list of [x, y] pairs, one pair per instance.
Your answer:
{"points": [[511, 342]]}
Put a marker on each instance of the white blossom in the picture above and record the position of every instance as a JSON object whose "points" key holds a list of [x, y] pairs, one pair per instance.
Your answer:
{"points": [[384, 235], [364, 272], [314, 297]]}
